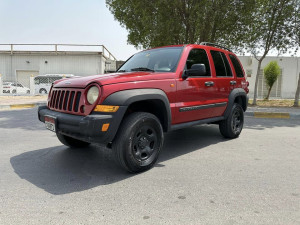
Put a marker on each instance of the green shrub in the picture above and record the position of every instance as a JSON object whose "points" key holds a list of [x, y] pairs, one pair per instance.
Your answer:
{"points": [[271, 74]]}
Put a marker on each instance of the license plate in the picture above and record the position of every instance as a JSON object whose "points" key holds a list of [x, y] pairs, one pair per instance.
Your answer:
{"points": [[50, 123]]}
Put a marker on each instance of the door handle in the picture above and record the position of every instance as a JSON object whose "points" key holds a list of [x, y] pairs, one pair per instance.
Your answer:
{"points": [[233, 82], [209, 83]]}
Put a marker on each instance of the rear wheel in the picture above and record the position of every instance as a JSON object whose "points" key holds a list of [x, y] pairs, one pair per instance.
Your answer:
{"points": [[233, 125], [138, 142], [71, 142]]}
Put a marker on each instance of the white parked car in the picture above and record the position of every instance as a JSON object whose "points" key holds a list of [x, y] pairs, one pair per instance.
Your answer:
{"points": [[43, 82], [15, 88]]}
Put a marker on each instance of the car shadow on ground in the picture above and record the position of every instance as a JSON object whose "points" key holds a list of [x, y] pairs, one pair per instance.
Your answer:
{"points": [[61, 170]]}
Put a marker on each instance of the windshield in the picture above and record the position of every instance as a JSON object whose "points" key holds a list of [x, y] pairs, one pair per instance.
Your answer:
{"points": [[155, 60]]}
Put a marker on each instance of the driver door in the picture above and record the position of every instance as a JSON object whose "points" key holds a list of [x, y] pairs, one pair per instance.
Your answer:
{"points": [[196, 95]]}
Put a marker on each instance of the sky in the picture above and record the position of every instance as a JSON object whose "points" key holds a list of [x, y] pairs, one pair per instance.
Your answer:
{"points": [[63, 22]]}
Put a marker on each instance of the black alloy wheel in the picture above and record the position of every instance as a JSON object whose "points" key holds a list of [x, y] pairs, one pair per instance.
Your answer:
{"points": [[232, 126], [138, 142], [144, 142]]}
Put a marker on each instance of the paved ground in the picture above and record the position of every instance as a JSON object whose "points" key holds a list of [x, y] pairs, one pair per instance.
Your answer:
{"points": [[15, 99], [200, 178]]}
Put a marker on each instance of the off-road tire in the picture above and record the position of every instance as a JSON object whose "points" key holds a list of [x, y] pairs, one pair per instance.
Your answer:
{"points": [[233, 125], [71, 142], [138, 142]]}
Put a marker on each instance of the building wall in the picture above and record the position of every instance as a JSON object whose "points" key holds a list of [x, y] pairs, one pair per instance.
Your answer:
{"points": [[290, 73], [89, 64], [80, 65]]}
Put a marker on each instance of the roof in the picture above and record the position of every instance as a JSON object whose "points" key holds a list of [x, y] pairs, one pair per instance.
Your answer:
{"points": [[56, 49]]}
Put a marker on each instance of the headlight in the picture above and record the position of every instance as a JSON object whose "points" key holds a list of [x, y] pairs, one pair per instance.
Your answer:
{"points": [[92, 94]]}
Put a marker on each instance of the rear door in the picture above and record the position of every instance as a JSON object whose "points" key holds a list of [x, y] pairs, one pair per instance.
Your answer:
{"points": [[223, 77]]}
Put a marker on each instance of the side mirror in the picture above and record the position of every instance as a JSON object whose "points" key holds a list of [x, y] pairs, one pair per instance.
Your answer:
{"points": [[196, 70]]}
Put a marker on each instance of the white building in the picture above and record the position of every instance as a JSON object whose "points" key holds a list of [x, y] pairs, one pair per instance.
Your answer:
{"points": [[286, 85], [19, 62]]}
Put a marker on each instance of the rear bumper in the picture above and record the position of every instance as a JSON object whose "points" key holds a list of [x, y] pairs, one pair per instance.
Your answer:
{"points": [[85, 128]]}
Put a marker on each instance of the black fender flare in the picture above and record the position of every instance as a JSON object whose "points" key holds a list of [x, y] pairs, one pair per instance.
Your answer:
{"points": [[127, 97], [232, 96]]}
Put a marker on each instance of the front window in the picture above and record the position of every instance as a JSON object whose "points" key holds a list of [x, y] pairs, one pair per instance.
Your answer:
{"points": [[198, 56], [155, 60], [36, 80]]}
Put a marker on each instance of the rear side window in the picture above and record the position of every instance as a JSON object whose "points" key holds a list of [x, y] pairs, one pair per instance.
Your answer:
{"points": [[237, 66], [198, 56], [221, 64]]}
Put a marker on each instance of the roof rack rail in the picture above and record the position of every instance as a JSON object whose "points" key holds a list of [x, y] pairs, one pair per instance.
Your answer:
{"points": [[214, 45]]}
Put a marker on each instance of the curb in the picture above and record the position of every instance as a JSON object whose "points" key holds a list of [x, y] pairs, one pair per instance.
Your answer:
{"points": [[21, 106], [273, 115]]}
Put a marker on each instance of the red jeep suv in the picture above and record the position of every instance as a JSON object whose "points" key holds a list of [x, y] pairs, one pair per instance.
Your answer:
{"points": [[153, 92]]}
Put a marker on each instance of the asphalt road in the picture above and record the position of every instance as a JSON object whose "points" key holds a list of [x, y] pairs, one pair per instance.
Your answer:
{"points": [[201, 178]]}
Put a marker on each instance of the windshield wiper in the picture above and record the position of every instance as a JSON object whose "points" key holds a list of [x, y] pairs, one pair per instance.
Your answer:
{"points": [[121, 71], [142, 69]]}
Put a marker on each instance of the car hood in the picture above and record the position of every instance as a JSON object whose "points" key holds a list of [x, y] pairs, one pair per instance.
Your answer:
{"points": [[111, 78]]}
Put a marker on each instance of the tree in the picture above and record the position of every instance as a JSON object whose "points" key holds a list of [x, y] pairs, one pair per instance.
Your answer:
{"points": [[296, 102], [297, 38], [272, 28], [271, 73], [168, 22]]}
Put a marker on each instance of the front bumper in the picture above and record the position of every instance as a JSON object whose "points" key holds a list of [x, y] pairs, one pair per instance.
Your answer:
{"points": [[85, 128]]}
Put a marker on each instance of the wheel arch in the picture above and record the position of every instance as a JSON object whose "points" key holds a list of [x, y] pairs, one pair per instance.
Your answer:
{"points": [[154, 101], [238, 96]]}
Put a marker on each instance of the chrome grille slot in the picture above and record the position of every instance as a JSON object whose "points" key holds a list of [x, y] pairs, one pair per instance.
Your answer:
{"points": [[65, 99], [77, 100], [70, 105]]}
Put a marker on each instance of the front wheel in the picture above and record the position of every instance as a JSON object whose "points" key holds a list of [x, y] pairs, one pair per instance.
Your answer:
{"points": [[138, 142], [233, 125], [43, 91], [71, 142]]}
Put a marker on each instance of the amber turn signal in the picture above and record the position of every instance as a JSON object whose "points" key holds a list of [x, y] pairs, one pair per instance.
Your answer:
{"points": [[105, 127], [106, 108]]}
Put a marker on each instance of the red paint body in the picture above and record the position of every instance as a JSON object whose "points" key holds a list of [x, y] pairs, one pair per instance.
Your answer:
{"points": [[180, 92]]}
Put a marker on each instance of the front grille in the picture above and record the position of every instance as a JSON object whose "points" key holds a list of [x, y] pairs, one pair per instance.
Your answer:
{"points": [[66, 100]]}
